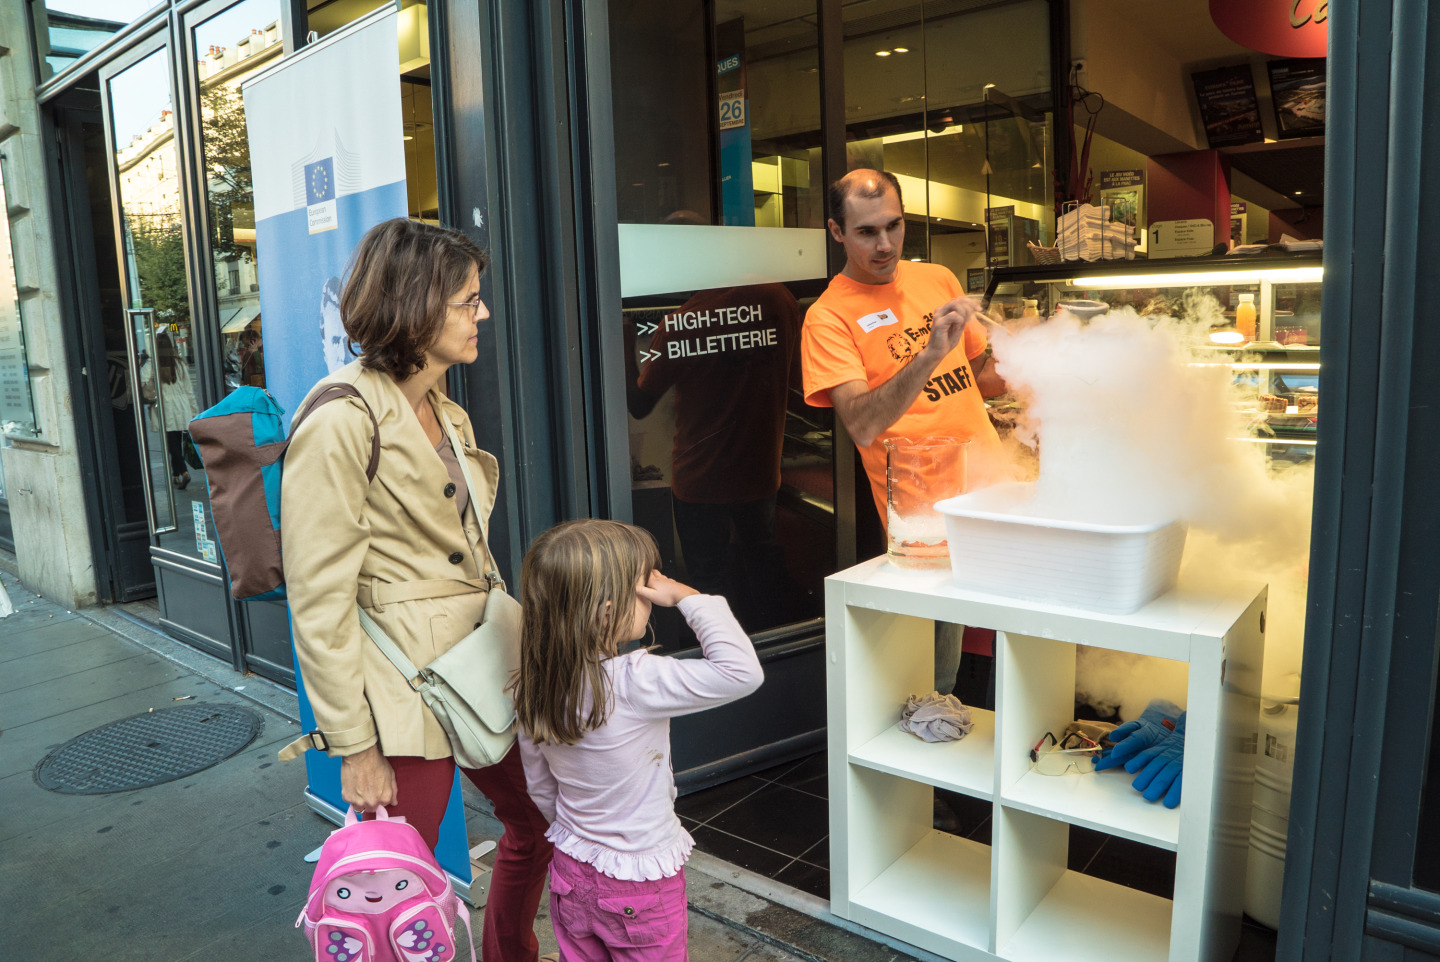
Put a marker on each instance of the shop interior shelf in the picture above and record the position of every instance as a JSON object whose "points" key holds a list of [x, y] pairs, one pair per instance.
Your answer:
{"points": [[936, 896], [1102, 801], [1085, 919], [966, 766]]}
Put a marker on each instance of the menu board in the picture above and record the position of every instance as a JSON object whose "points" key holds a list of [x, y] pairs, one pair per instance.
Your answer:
{"points": [[1228, 107], [17, 413], [1297, 88]]}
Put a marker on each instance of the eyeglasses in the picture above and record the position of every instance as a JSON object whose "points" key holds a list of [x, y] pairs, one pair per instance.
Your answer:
{"points": [[1074, 751], [474, 304]]}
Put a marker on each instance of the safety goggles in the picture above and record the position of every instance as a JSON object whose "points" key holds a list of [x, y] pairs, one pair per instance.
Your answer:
{"points": [[1056, 757]]}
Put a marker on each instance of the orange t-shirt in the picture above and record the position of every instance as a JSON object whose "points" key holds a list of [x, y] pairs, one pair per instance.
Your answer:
{"points": [[868, 332]]}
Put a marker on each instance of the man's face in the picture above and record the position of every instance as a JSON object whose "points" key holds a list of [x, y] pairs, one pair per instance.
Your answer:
{"points": [[873, 237]]}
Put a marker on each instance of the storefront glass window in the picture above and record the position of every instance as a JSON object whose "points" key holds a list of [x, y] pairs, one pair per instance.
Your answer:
{"points": [[327, 16], [66, 30], [17, 407], [953, 100], [228, 49], [717, 132], [158, 308]]}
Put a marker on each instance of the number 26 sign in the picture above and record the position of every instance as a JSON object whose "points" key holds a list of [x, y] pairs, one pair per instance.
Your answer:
{"points": [[732, 109]]}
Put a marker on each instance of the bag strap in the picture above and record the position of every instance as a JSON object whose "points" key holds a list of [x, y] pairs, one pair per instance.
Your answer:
{"points": [[463, 911], [329, 393], [493, 575], [392, 651]]}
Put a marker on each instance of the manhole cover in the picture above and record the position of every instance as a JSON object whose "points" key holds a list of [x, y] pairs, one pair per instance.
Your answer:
{"points": [[158, 746]]}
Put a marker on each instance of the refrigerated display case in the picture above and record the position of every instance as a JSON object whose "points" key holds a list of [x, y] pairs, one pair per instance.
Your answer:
{"points": [[1282, 359]]}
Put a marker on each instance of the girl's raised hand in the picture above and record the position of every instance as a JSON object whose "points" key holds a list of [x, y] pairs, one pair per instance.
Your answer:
{"points": [[663, 591]]}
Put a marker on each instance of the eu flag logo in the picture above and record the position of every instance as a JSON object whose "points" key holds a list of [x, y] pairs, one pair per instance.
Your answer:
{"points": [[320, 181]]}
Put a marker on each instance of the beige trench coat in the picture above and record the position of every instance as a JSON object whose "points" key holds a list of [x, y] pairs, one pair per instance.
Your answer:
{"points": [[342, 538]]}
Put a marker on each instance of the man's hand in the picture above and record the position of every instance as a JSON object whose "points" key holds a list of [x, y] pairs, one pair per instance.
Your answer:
{"points": [[948, 327], [367, 781]]}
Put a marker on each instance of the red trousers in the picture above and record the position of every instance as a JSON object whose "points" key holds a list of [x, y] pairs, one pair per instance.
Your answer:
{"points": [[523, 855]]}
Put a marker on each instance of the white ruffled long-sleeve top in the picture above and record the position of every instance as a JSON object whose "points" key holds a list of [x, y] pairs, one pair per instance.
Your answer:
{"points": [[610, 798]]}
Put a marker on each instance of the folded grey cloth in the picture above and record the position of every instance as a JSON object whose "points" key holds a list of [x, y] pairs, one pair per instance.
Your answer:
{"points": [[936, 717]]}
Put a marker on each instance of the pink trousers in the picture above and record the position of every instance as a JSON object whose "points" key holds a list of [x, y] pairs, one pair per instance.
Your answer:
{"points": [[600, 919]]}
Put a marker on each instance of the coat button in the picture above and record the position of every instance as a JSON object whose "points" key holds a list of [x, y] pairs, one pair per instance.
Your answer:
{"points": [[475, 627], [456, 558], [629, 910], [450, 490]]}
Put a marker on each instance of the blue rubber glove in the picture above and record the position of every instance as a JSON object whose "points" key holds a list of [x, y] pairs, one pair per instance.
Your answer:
{"points": [[1159, 767], [1150, 729]]}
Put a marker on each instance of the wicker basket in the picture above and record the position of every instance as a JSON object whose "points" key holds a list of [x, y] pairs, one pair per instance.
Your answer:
{"points": [[1043, 255]]}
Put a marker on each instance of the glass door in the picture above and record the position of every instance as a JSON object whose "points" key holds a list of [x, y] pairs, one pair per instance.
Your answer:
{"points": [[226, 44], [164, 356], [160, 345]]}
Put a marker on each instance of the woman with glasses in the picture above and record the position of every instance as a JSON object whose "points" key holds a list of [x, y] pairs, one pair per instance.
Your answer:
{"points": [[411, 305]]}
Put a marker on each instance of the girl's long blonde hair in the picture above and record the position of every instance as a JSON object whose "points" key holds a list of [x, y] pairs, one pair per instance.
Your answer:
{"points": [[569, 574]]}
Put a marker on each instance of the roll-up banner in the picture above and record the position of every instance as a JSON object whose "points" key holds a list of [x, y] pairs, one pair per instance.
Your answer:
{"points": [[328, 162]]}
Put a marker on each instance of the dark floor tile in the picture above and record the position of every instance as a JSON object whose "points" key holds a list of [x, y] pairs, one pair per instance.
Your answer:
{"points": [[775, 773], [819, 853], [1084, 844], [970, 812], [1135, 865], [811, 775], [704, 805], [777, 817], [739, 852], [806, 878], [1257, 944]]}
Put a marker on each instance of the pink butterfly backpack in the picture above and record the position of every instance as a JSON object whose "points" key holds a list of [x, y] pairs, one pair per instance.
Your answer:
{"points": [[378, 896]]}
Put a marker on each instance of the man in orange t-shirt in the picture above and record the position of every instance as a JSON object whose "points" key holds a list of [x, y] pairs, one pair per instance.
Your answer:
{"points": [[897, 349], [893, 345]]}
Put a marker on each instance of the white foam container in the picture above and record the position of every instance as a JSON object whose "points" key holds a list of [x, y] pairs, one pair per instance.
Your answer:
{"points": [[1110, 568]]}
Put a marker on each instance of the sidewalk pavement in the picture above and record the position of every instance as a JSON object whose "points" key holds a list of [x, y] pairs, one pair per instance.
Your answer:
{"points": [[212, 864]]}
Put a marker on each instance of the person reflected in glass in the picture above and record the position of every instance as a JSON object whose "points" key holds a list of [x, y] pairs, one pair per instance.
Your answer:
{"points": [[252, 357], [176, 403], [731, 356]]}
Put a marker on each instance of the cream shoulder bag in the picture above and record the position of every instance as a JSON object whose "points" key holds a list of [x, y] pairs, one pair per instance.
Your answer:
{"points": [[465, 687]]}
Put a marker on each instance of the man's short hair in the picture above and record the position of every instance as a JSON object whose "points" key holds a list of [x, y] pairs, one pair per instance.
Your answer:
{"points": [[841, 190]]}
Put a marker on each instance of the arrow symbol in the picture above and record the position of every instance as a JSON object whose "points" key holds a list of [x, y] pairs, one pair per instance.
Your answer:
{"points": [[648, 356], [648, 327]]}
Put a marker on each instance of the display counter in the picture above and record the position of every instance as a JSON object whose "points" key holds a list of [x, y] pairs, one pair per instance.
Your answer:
{"points": [[1278, 363], [1016, 899]]}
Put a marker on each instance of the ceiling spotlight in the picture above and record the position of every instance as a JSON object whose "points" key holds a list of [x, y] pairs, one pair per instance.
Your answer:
{"points": [[1297, 193], [882, 53], [987, 86], [663, 163], [902, 49]]}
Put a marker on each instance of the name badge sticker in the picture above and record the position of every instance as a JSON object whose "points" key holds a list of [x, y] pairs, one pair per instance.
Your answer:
{"points": [[870, 322]]}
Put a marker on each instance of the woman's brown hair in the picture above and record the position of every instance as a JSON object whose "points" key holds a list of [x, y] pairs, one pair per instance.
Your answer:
{"points": [[578, 595], [397, 286]]}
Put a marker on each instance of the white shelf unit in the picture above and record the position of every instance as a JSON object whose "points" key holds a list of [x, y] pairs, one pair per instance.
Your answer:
{"points": [[1016, 899]]}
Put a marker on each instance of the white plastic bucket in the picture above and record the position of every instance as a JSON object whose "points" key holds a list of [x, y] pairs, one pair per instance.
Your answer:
{"points": [[1099, 567]]}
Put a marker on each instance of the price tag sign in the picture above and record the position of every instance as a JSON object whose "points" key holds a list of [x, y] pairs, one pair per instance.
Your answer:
{"points": [[732, 109], [1179, 238]]}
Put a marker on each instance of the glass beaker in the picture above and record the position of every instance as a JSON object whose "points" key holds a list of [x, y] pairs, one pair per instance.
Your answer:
{"points": [[918, 473]]}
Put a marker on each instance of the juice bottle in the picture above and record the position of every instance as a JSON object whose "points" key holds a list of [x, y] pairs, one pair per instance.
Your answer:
{"points": [[1245, 316]]}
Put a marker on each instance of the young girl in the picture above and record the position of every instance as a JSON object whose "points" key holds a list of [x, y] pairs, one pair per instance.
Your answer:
{"points": [[595, 733]]}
